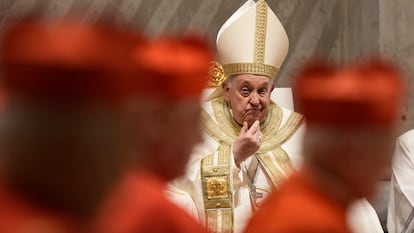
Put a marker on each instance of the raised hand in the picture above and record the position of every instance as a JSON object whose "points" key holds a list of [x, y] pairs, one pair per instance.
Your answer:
{"points": [[247, 143]]}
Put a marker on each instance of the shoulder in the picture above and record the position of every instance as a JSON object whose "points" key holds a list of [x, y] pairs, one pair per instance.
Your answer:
{"points": [[287, 112], [168, 217], [407, 139], [292, 114], [296, 208], [140, 205], [23, 215], [292, 121]]}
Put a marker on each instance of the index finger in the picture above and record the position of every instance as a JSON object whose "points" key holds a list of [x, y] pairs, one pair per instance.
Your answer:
{"points": [[244, 129], [256, 126]]}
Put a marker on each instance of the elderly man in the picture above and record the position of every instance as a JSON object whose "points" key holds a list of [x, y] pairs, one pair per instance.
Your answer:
{"points": [[164, 118], [352, 120], [62, 133], [250, 143]]}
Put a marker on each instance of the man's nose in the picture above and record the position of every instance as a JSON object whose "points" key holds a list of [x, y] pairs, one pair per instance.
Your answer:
{"points": [[254, 99]]}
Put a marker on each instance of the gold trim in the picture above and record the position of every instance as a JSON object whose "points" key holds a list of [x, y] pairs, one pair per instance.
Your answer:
{"points": [[228, 130], [250, 68], [216, 182], [217, 186], [258, 65], [277, 165], [224, 225], [216, 74], [281, 135], [260, 34], [211, 219], [212, 129]]}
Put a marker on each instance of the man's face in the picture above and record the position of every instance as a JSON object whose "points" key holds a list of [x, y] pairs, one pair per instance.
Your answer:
{"points": [[249, 97]]}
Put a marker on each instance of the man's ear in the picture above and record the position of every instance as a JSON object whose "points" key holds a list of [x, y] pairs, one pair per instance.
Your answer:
{"points": [[154, 121], [226, 90], [272, 87]]}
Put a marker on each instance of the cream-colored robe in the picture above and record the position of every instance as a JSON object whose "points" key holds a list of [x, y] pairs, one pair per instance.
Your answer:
{"points": [[187, 191], [400, 216]]}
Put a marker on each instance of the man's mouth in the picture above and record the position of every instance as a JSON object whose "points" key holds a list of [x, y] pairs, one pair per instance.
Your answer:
{"points": [[253, 111]]}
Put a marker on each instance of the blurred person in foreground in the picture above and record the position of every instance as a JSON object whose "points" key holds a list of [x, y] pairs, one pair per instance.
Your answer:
{"points": [[352, 119], [250, 143], [62, 122], [165, 124]]}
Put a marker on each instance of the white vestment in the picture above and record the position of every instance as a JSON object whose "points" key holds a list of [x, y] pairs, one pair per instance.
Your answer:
{"points": [[401, 203], [188, 193]]}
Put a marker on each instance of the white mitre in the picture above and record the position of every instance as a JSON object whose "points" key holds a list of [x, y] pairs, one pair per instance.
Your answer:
{"points": [[251, 41]]}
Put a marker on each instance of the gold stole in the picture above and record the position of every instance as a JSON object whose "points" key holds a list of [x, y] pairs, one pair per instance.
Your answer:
{"points": [[216, 172]]}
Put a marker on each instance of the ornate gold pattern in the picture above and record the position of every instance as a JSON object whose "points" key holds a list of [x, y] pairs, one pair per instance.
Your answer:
{"points": [[217, 187], [250, 68], [276, 164], [216, 184], [273, 135], [220, 220], [257, 66], [282, 134], [260, 39], [211, 219], [217, 190], [216, 74]]}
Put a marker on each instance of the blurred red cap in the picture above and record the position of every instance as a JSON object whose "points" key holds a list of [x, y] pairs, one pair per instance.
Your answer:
{"points": [[68, 61], [370, 93], [175, 69]]}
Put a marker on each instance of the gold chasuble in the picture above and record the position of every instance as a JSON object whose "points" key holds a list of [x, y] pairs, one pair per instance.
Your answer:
{"points": [[216, 169]]}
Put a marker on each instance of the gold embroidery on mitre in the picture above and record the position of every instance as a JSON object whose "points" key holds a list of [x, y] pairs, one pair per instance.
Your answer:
{"points": [[260, 39], [250, 68], [216, 74], [257, 66]]}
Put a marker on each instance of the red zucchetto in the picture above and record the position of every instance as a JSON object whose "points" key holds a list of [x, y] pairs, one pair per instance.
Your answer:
{"points": [[370, 93], [67, 61], [175, 68]]}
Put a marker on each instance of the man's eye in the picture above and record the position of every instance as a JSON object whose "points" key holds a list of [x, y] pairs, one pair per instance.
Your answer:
{"points": [[245, 91], [263, 92]]}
